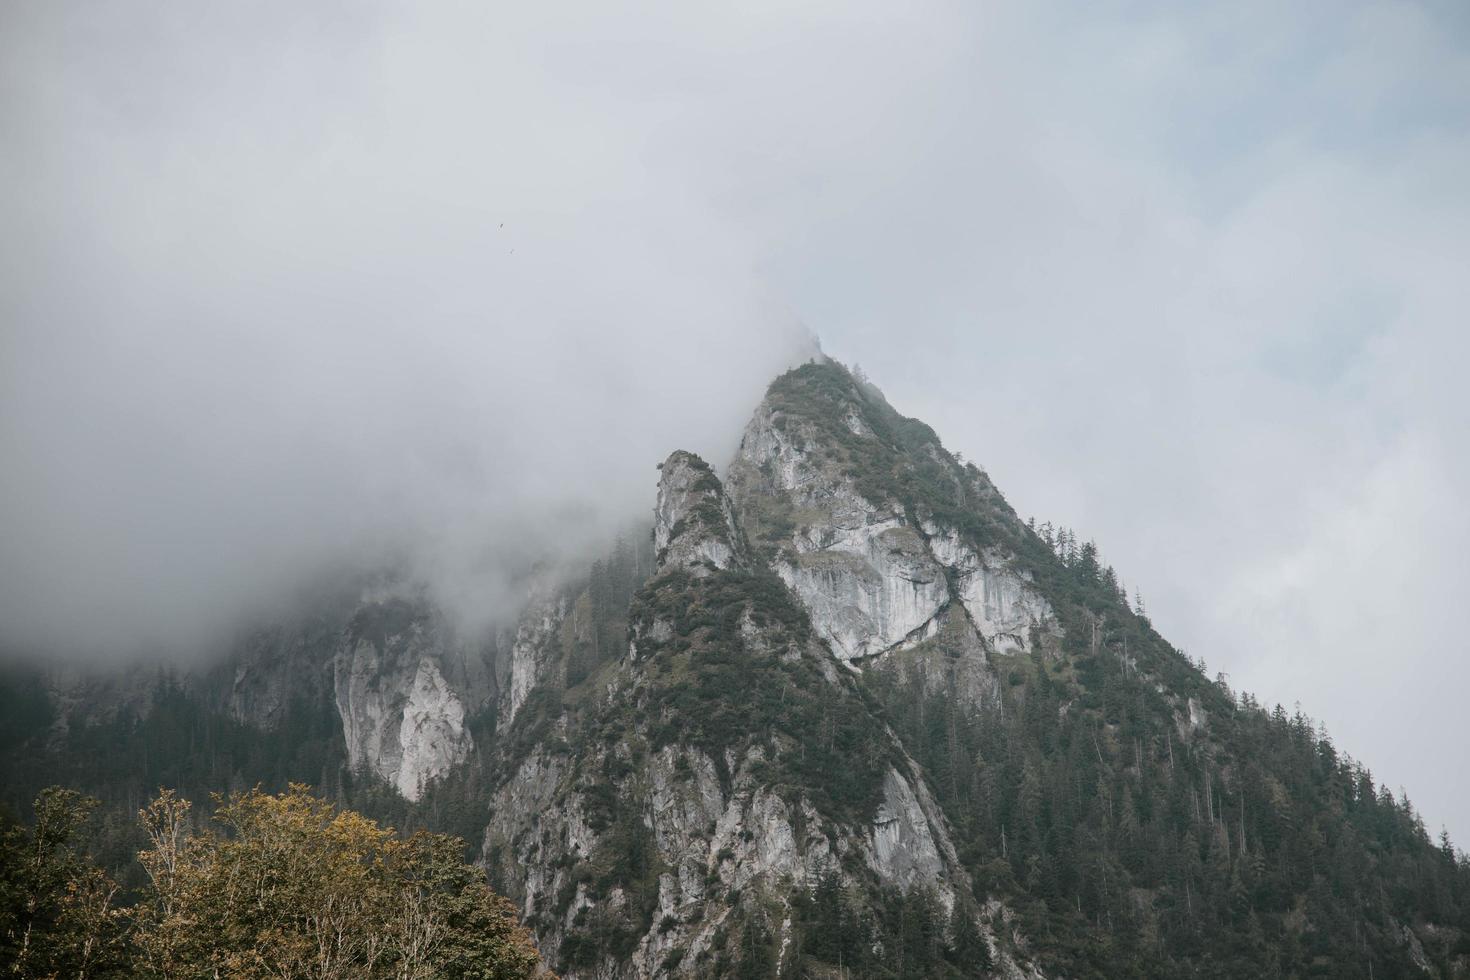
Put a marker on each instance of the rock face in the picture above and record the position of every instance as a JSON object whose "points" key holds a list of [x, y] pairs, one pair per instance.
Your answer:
{"points": [[827, 484], [866, 576], [1002, 603], [672, 838], [905, 849], [532, 658], [693, 528], [284, 665], [431, 736], [401, 719], [276, 664]]}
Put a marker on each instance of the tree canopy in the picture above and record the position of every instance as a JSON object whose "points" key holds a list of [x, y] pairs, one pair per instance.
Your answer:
{"points": [[280, 886]]}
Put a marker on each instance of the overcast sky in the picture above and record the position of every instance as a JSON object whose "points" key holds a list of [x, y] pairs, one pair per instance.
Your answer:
{"points": [[283, 285]]}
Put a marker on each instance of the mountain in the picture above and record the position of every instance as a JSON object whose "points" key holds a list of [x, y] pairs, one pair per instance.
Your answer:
{"points": [[841, 713]]}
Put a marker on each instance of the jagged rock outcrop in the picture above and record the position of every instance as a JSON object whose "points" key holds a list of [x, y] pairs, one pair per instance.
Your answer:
{"points": [[533, 657], [717, 800], [866, 576], [825, 484], [1003, 604], [401, 718], [693, 527]]}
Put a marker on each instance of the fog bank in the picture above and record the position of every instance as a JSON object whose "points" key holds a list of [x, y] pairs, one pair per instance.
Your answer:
{"points": [[292, 290]]}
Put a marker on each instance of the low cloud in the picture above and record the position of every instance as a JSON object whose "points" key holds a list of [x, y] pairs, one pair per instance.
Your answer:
{"points": [[293, 291]]}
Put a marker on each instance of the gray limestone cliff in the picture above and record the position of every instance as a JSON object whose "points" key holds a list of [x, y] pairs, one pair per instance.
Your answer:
{"points": [[400, 717], [877, 568], [643, 835]]}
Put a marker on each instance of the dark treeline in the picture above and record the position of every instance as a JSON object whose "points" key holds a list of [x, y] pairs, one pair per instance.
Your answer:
{"points": [[1190, 833]]}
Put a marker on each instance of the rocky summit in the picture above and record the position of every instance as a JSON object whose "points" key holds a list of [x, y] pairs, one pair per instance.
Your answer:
{"points": [[840, 712]]}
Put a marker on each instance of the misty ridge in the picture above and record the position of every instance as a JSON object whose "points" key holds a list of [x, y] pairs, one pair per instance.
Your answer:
{"points": [[258, 342]]}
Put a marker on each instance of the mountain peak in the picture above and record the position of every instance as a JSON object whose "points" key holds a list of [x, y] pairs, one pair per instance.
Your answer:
{"points": [[888, 539]]}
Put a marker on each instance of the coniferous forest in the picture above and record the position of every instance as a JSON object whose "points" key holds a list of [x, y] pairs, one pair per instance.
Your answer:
{"points": [[1237, 841]]}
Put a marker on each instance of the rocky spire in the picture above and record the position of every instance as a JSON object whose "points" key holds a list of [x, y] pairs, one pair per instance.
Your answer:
{"points": [[693, 526]]}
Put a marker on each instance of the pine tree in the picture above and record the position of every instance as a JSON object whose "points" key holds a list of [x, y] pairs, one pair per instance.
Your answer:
{"points": [[968, 949]]}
